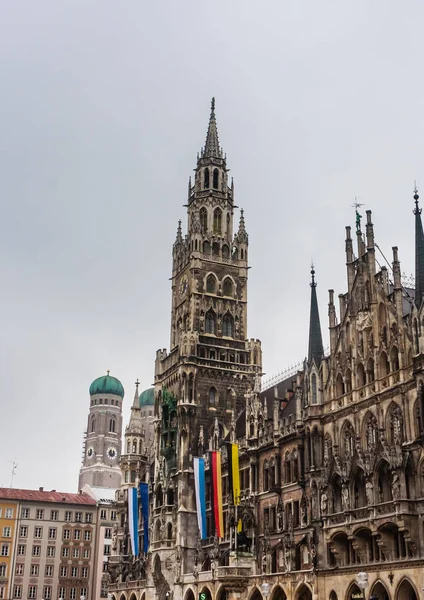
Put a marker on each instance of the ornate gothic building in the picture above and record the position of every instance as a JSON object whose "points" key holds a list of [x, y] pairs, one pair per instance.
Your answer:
{"points": [[331, 456]]}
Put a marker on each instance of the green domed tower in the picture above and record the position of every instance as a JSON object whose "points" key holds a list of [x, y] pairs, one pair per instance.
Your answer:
{"points": [[102, 444]]}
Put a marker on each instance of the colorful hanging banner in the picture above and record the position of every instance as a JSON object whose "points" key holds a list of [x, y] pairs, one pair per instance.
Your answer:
{"points": [[234, 472], [200, 489], [133, 519], [216, 480], [144, 497]]}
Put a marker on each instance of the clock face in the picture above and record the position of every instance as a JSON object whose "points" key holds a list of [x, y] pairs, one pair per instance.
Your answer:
{"points": [[111, 453], [183, 285], [90, 452]]}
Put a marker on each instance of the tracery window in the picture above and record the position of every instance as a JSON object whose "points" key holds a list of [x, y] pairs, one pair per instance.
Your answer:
{"points": [[203, 219], [227, 325], [217, 221], [210, 322], [206, 179]]}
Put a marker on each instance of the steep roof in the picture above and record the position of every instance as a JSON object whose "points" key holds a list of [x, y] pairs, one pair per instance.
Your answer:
{"points": [[42, 496]]}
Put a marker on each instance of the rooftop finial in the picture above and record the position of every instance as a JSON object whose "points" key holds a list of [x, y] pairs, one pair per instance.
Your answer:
{"points": [[108, 372], [417, 210], [137, 383], [179, 233], [357, 205], [213, 106], [313, 284]]}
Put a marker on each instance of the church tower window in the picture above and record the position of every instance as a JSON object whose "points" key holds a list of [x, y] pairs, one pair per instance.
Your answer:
{"points": [[212, 396], [217, 221], [227, 288], [204, 219], [211, 284], [215, 179], [210, 322], [227, 325], [314, 388], [206, 179], [93, 425], [112, 426]]}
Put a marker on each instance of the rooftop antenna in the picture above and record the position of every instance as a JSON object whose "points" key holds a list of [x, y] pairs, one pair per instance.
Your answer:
{"points": [[357, 205], [14, 467]]}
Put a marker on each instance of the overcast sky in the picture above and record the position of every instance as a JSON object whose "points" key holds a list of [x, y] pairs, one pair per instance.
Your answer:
{"points": [[103, 108]]}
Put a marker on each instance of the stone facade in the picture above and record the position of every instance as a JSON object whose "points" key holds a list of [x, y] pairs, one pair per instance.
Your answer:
{"points": [[331, 456]]}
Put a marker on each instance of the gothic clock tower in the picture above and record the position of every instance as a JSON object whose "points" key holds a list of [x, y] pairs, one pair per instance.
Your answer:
{"points": [[201, 383]]}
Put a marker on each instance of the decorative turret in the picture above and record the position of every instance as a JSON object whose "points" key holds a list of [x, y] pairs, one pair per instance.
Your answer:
{"points": [[419, 253], [316, 348], [134, 457]]}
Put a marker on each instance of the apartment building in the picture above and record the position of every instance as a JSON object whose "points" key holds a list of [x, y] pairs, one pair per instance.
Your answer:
{"points": [[106, 526], [50, 551], [8, 512]]}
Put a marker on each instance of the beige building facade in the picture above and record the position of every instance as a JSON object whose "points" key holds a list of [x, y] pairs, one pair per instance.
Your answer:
{"points": [[52, 549]]}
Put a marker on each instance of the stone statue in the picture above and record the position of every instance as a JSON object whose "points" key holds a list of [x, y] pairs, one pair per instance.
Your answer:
{"points": [[369, 492], [395, 486], [345, 497], [324, 503]]}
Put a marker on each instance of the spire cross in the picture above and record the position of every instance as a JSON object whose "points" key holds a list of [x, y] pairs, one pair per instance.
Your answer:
{"points": [[137, 383]]}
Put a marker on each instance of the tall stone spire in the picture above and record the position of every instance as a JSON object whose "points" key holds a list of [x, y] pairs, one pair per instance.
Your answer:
{"points": [[212, 149], [316, 348], [419, 253]]}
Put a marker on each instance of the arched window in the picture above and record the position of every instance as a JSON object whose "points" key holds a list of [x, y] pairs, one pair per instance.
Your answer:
{"points": [[211, 284], [112, 426], [227, 288], [206, 248], [133, 476], [206, 179], [370, 370], [93, 425], [340, 388], [217, 221], [212, 396], [360, 375], [127, 476], [215, 179], [169, 531], [225, 251], [215, 249], [134, 446], [210, 322], [384, 365], [394, 358], [227, 325], [235, 253], [203, 214], [129, 447], [314, 388]]}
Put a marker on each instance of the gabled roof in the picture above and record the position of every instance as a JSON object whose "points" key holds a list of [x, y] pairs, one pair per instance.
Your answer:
{"points": [[42, 496]]}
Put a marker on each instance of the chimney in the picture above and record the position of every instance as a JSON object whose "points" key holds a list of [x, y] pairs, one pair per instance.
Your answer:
{"points": [[41, 489]]}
